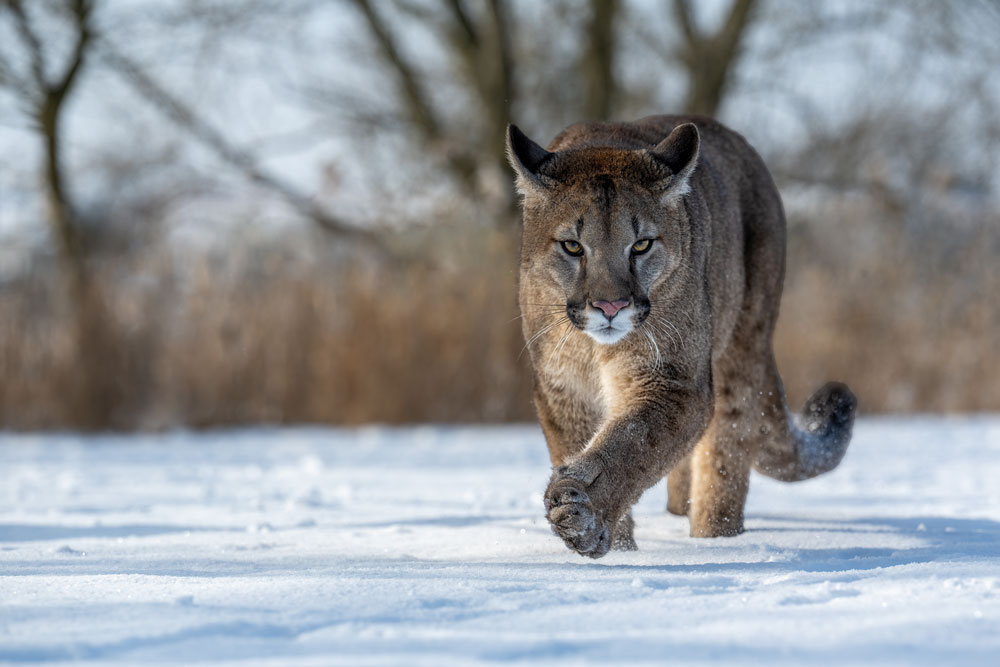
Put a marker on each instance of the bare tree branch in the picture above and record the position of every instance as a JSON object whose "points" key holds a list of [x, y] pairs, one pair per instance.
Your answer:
{"points": [[468, 31], [484, 55], [46, 104], [244, 162], [709, 58], [416, 101], [35, 55], [11, 79], [81, 10]]}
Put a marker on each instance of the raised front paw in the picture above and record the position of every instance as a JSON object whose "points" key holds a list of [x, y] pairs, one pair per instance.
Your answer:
{"points": [[570, 510]]}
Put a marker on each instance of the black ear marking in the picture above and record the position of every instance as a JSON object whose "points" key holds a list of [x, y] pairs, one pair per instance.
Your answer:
{"points": [[524, 150], [526, 157]]}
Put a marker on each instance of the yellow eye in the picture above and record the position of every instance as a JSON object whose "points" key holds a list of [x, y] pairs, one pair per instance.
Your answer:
{"points": [[641, 246], [572, 248]]}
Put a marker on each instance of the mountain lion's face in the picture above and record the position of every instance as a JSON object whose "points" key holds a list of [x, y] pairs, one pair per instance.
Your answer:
{"points": [[603, 229]]}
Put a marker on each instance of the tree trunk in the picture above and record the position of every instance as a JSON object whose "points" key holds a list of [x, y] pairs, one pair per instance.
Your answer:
{"points": [[94, 377], [709, 59], [598, 60]]}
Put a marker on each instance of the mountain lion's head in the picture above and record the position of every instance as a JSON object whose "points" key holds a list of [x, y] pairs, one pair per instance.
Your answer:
{"points": [[604, 228]]}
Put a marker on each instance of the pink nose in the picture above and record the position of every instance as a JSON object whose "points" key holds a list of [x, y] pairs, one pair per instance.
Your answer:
{"points": [[610, 308]]}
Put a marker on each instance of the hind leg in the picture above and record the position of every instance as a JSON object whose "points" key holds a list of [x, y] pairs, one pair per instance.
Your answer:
{"points": [[679, 488], [749, 409], [720, 479], [745, 382], [745, 397]]}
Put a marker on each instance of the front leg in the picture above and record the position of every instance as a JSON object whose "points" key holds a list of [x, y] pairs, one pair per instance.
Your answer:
{"points": [[588, 497]]}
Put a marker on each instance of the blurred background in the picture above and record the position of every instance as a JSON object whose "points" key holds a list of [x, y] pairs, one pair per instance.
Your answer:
{"points": [[222, 212]]}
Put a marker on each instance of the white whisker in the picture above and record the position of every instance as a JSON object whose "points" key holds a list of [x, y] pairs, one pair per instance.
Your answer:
{"points": [[649, 345], [558, 346], [664, 323], [652, 323], [541, 332], [652, 341]]}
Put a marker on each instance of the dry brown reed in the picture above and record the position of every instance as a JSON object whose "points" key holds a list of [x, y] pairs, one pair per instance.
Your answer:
{"points": [[262, 338]]}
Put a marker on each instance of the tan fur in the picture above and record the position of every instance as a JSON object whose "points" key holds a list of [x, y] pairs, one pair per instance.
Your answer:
{"points": [[679, 487], [683, 381]]}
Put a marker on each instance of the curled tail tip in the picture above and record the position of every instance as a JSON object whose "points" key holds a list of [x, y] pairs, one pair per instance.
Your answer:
{"points": [[834, 405], [816, 439]]}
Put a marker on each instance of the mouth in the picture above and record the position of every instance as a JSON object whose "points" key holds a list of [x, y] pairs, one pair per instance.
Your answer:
{"points": [[608, 333]]}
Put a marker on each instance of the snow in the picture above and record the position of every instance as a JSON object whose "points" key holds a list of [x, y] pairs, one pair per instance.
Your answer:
{"points": [[427, 546]]}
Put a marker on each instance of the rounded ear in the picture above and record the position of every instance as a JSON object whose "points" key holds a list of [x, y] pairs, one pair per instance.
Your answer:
{"points": [[526, 157], [679, 154]]}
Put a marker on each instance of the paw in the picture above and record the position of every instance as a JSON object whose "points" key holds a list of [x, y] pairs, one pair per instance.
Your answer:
{"points": [[716, 527], [622, 539], [569, 509]]}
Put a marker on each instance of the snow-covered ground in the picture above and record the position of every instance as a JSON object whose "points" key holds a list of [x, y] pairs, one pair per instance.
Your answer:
{"points": [[427, 546]]}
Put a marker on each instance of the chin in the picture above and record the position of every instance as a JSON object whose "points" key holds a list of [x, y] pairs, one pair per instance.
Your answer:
{"points": [[607, 335]]}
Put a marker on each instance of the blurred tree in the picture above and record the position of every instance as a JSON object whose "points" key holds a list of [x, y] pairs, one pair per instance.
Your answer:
{"points": [[479, 50], [44, 86], [709, 58], [598, 60], [891, 155], [506, 63]]}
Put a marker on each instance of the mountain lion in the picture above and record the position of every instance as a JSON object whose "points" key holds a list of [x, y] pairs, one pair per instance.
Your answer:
{"points": [[652, 262]]}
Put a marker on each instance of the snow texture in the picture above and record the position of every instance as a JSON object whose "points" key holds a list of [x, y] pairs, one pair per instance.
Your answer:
{"points": [[427, 546]]}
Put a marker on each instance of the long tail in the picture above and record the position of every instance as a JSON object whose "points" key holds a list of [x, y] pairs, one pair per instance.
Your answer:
{"points": [[814, 441]]}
